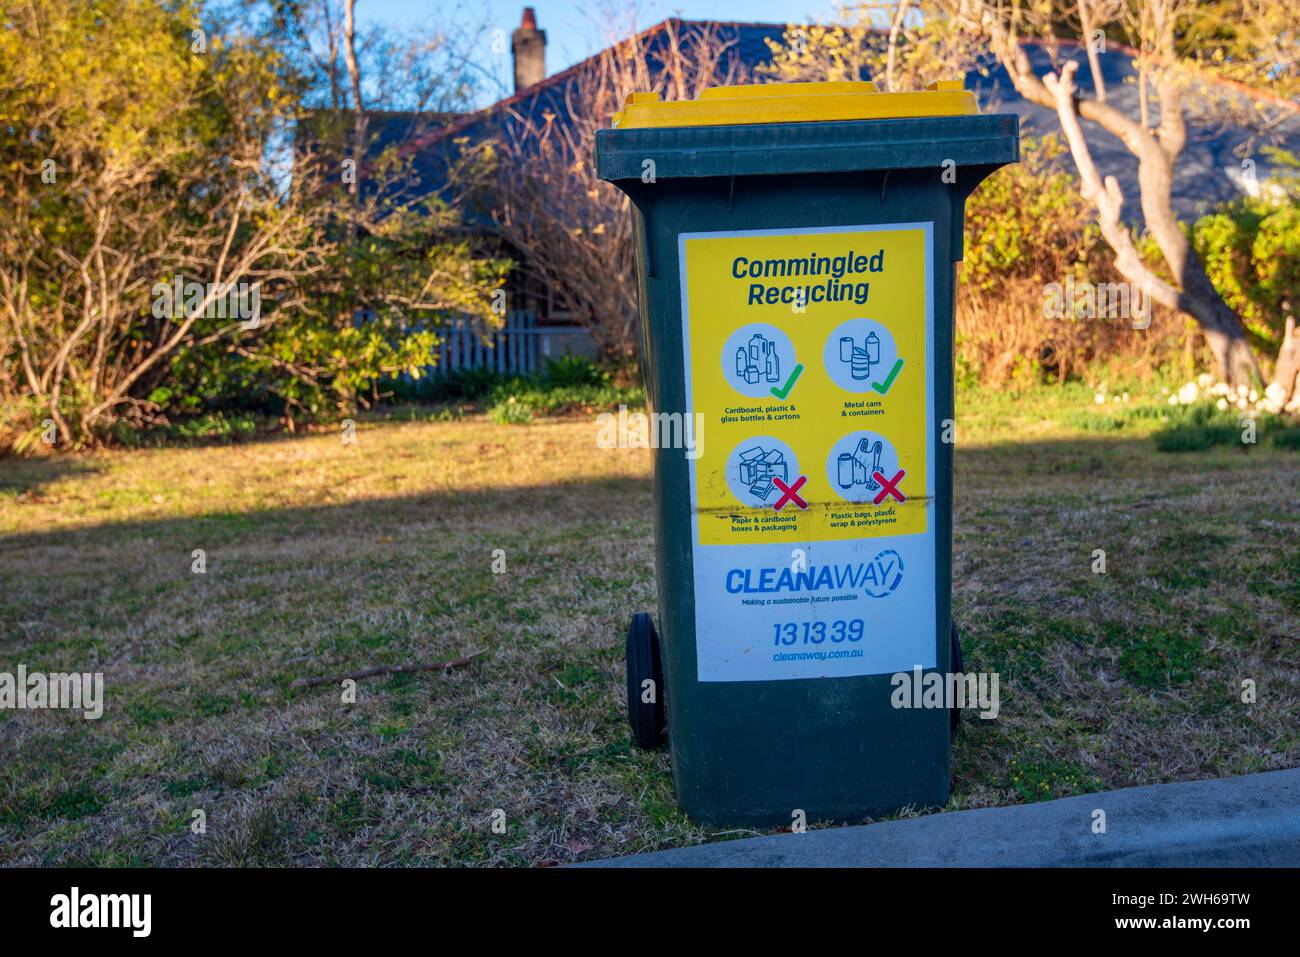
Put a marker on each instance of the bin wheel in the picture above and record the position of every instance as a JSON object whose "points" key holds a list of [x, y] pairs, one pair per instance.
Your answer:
{"points": [[644, 664], [958, 666]]}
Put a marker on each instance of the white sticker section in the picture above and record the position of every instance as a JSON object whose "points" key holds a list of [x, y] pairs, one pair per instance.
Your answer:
{"points": [[863, 607]]}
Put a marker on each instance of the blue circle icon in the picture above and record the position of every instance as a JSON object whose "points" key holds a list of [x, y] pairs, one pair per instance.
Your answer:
{"points": [[858, 353], [757, 358]]}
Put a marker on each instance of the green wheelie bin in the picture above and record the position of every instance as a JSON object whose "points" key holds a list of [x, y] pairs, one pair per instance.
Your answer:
{"points": [[795, 251]]}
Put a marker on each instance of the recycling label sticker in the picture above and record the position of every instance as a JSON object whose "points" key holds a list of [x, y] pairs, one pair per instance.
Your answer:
{"points": [[810, 355]]}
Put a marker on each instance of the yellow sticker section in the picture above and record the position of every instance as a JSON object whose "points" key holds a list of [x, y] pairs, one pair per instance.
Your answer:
{"points": [[807, 356]]}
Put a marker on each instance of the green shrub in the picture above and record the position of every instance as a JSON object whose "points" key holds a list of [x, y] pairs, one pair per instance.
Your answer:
{"points": [[1027, 227], [547, 400], [1195, 428], [1287, 437], [567, 379], [1111, 418], [200, 210], [466, 385], [510, 411], [573, 371], [215, 428], [1029, 221], [1251, 250]]}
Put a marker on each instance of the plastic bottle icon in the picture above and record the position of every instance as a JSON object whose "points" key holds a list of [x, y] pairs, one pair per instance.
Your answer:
{"points": [[758, 360], [753, 369], [873, 348]]}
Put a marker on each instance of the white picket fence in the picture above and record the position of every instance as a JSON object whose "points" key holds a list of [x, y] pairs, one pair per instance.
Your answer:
{"points": [[511, 349]]}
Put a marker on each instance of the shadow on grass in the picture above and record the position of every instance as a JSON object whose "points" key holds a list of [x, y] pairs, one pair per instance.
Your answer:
{"points": [[25, 480], [1093, 664], [1094, 462]]}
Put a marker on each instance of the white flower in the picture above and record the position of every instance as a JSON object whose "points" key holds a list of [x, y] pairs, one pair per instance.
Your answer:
{"points": [[1099, 398], [1221, 404], [1204, 380]]}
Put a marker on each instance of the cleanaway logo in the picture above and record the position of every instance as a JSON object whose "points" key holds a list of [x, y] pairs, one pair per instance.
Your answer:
{"points": [[879, 577], [103, 910]]}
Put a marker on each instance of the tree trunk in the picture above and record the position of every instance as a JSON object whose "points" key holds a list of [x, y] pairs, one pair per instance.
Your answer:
{"points": [[1223, 331], [1288, 363], [1224, 334], [1090, 44], [354, 75], [891, 59]]}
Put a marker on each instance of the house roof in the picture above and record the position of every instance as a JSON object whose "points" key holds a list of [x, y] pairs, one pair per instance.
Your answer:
{"points": [[1208, 172], [750, 48]]}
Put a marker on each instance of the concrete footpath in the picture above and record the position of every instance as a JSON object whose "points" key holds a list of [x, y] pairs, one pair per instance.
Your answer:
{"points": [[1249, 821]]}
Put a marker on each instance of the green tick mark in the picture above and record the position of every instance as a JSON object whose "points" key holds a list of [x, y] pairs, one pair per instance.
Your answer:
{"points": [[883, 387], [784, 391]]}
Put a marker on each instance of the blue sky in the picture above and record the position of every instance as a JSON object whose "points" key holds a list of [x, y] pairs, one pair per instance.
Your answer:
{"points": [[573, 32]]}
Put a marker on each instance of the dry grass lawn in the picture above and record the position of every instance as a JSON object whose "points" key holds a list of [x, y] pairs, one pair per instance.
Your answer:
{"points": [[323, 557]]}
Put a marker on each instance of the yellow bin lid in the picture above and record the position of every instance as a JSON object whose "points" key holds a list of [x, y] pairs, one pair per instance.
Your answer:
{"points": [[794, 103]]}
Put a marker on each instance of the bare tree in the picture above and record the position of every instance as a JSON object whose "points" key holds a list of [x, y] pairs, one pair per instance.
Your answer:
{"points": [[898, 44], [574, 232], [122, 202], [159, 161], [1158, 30], [354, 77], [1239, 58]]}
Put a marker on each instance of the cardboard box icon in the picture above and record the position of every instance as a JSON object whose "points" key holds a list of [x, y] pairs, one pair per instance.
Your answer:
{"points": [[758, 467]]}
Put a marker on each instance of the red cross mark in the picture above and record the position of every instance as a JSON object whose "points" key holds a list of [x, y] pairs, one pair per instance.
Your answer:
{"points": [[889, 486], [790, 492]]}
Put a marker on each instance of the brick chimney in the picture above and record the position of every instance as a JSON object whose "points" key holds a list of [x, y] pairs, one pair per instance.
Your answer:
{"points": [[529, 48]]}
